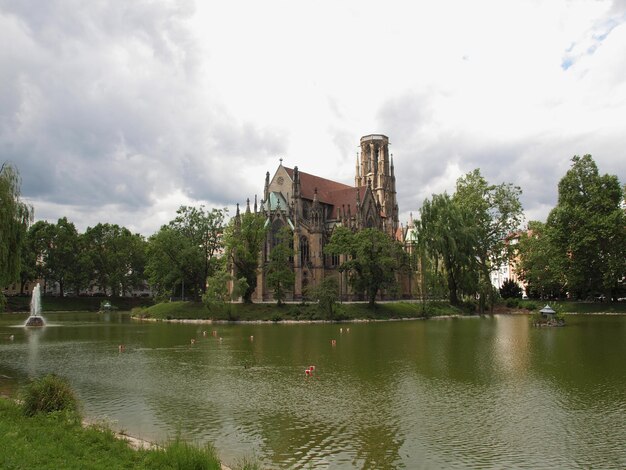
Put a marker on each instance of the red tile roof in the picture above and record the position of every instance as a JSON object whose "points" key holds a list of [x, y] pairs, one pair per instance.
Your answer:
{"points": [[308, 183]]}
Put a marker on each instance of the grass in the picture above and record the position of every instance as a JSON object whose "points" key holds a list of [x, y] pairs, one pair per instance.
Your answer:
{"points": [[57, 440], [294, 312]]}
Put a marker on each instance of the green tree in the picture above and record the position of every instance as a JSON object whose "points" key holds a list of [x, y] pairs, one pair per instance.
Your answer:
{"points": [[183, 254], [373, 259], [510, 290], [326, 294], [280, 275], [446, 238], [493, 212], [15, 217], [204, 230], [62, 253], [588, 229], [539, 265], [116, 256], [243, 240]]}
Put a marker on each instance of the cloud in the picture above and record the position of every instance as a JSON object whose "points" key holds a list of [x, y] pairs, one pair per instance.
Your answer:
{"points": [[105, 105]]}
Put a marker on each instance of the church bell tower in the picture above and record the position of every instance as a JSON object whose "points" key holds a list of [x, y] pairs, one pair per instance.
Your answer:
{"points": [[375, 169]]}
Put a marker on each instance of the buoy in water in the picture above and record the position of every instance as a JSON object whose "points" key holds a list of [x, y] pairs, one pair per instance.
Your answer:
{"points": [[251, 338], [347, 330], [11, 337], [121, 348], [214, 333], [340, 330], [193, 341], [311, 368], [333, 342], [307, 372], [204, 333], [220, 338]]}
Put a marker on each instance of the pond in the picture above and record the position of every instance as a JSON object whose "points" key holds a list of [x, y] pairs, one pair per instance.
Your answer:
{"points": [[488, 392]]}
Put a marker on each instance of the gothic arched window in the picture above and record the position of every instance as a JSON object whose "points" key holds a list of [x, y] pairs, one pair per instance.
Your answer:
{"points": [[304, 250]]}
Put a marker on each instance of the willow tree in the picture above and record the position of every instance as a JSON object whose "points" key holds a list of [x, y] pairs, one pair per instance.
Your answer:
{"points": [[15, 216], [493, 213], [445, 238]]}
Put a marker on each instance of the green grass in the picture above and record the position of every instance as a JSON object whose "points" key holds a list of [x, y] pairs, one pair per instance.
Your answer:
{"points": [[567, 306], [57, 440], [298, 312]]}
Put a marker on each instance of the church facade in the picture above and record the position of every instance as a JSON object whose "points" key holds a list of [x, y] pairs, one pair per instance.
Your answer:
{"points": [[312, 206]]}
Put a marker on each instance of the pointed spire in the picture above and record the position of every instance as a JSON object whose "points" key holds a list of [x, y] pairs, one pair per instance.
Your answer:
{"points": [[255, 204], [248, 206], [266, 191]]}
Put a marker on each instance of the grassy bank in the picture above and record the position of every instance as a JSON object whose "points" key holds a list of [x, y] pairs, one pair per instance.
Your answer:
{"points": [[75, 304], [566, 306], [295, 312], [58, 440], [350, 312]]}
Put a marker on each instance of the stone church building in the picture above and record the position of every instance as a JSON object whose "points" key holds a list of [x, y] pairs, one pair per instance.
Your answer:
{"points": [[313, 206]]}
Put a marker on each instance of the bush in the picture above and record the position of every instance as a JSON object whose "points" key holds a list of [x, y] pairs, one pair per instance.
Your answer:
{"points": [[48, 394], [510, 290], [512, 303]]}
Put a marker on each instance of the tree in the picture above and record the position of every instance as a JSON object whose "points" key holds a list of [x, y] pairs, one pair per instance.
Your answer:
{"points": [[183, 254], [62, 253], [539, 265], [243, 240], [326, 294], [510, 290], [116, 256], [204, 230], [280, 275], [493, 213], [445, 236], [15, 217], [588, 229], [373, 259]]}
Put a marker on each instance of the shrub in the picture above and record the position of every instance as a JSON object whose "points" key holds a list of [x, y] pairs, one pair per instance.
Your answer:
{"points": [[530, 306], [510, 289], [512, 303], [48, 394]]}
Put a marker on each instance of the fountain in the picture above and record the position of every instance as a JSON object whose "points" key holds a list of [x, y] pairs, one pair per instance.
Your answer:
{"points": [[35, 318]]}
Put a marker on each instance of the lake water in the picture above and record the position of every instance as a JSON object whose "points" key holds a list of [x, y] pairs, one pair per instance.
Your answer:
{"points": [[488, 392]]}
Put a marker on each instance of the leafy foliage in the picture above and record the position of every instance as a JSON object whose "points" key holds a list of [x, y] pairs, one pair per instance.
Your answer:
{"points": [[48, 394], [510, 290], [587, 229], [373, 259], [467, 233], [326, 294], [183, 254], [280, 275], [15, 217], [243, 239]]}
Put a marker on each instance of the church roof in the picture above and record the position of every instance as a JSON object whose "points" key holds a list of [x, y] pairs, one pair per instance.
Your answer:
{"points": [[342, 198], [324, 186]]}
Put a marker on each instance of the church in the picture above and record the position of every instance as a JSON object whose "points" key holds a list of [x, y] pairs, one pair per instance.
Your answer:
{"points": [[313, 206]]}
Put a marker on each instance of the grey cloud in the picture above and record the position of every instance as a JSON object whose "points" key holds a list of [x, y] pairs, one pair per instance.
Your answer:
{"points": [[101, 106]]}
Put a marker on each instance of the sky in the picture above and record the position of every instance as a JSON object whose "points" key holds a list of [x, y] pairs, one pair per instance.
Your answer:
{"points": [[121, 111]]}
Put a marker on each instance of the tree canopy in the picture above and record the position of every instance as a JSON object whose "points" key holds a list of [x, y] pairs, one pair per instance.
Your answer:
{"points": [[243, 240], [15, 217], [587, 230], [372, 259]]}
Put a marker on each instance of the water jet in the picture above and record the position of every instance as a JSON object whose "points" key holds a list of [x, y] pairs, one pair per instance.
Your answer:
{"points": [[35, 318]]}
